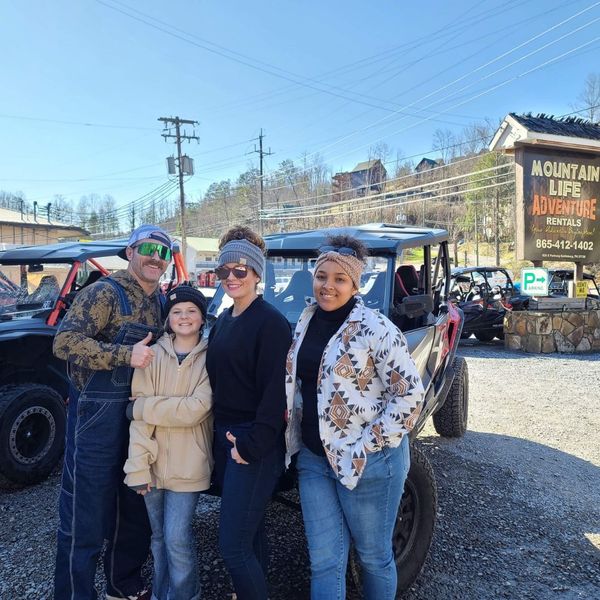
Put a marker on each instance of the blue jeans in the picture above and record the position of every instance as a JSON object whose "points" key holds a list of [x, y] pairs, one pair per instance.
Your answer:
{"points": [[246, 492], [334, 515], [173, 549]]}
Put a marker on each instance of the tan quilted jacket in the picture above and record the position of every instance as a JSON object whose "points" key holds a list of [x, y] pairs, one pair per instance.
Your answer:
{"points": [[170, 442]]}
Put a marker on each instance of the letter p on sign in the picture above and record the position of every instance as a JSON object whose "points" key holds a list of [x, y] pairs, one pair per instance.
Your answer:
{"points": [[534, 281]]}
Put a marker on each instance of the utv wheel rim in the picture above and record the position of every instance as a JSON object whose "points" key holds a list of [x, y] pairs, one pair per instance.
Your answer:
{"points": [[32, 435], [406, 531]]}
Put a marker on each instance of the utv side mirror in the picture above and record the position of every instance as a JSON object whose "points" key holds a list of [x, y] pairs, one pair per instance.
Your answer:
{"points": [[416, 306]]}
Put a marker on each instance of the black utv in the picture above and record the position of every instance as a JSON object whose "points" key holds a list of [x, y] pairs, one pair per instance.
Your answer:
{"points": [[36, 285]]}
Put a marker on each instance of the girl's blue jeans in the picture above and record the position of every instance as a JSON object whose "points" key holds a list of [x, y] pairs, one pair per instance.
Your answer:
{"points": [[173, 548], [335, 515]]}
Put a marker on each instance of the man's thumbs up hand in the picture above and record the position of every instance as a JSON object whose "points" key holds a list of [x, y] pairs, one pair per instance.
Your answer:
{"points": [[141, 355]]}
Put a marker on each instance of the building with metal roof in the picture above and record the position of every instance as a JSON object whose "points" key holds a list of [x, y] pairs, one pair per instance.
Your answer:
{"points": [[20, 228], [367, 177]]}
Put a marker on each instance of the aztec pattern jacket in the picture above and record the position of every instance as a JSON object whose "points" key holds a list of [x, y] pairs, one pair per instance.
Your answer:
{"points": [[369, 392]]}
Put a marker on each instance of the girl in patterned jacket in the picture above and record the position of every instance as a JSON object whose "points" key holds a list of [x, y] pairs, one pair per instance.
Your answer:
{"points": [[353, 395]]}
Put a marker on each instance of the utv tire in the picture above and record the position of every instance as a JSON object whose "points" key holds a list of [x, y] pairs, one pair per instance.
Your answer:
{"points": [[32, 432], [451, 419], [485, 336], [414, 526]]}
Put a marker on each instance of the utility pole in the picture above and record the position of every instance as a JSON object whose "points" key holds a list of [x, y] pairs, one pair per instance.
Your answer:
{"points": [[476, 236], [178, 136], [261, 154], [497, 232], [497, 219]]}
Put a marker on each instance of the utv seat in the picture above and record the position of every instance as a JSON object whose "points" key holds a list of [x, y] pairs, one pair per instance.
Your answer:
{"points": [[406, 284], [47, 290], [409, 278], [293, 297], [374, 297]]}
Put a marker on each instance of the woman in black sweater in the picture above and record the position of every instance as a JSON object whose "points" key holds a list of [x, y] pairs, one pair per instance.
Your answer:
{"points": [[246, 365]]}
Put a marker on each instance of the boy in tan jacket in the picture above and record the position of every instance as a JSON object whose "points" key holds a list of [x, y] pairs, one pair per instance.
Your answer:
{"points": [[170, 448]]}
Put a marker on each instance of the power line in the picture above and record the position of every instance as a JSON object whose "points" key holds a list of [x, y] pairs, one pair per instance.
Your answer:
{"points": [[419, 188], [243, 59], [445, 111], [387, 206], [477, 95], [78, 123], [402, 177]]}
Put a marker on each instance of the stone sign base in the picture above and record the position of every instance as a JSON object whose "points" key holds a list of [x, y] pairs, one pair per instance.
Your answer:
{"points": [[571, 331]]}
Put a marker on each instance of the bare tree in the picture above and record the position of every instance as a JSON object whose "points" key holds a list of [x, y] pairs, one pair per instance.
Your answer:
{"points": [[109, 221], [382, 151], [83, 211], [132, 217], [475, 137], [588, 100], [62, 209], [444, 142]]}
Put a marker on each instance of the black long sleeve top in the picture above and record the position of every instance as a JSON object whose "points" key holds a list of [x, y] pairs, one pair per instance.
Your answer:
{"points": [[322, 327], [246, 367]]}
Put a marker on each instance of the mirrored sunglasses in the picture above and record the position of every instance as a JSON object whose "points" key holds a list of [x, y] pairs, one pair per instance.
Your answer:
{"points": [[239, 272], [149, 248], [343, 250]]}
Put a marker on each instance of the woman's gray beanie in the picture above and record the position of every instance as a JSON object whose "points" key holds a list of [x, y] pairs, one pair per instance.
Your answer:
{"points": [[243, 252]]}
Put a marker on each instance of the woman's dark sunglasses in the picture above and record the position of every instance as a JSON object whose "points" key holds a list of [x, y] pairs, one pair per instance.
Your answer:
{"points": [[238, 272], [343, 250], [149, 248]]}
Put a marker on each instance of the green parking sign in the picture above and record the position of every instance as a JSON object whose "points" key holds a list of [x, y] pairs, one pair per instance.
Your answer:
{"points": [[534, 282]]}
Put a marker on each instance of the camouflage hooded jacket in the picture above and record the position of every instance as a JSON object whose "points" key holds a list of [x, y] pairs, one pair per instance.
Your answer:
{"points": [[369, 392], [85, 335]]}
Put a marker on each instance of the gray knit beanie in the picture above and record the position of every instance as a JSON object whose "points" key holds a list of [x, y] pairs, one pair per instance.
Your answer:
{"points": [[243, 252]]}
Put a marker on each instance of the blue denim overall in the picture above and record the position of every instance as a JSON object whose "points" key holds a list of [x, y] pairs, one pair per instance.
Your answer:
{"points": [[94, 503]]}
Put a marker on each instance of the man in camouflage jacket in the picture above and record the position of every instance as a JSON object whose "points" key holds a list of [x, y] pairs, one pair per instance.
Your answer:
{"points": [[105, 335]]}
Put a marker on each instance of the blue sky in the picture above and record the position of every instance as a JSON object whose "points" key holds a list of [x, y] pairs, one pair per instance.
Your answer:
{"points": [[330, 77]]}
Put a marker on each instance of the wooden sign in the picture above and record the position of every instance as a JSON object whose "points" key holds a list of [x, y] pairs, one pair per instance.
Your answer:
{"points": [[558, 207]]}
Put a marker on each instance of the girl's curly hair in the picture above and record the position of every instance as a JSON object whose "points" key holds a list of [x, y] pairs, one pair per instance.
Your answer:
{"points": [[347, 241]]}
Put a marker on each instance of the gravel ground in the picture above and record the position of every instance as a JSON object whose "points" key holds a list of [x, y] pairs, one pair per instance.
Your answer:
{"points": [[519, 497]]}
